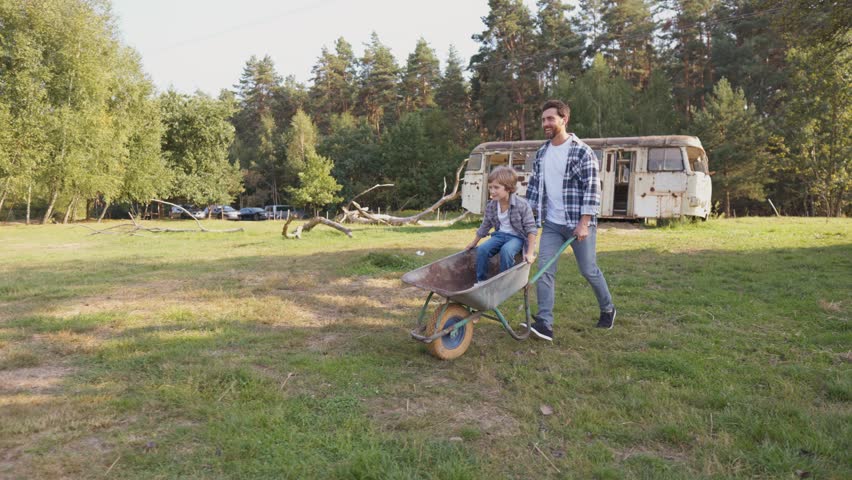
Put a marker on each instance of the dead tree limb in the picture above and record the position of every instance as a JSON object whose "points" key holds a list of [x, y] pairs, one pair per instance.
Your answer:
{"points": [[317, 220], [137, 227], [297, 234], [414, 219]]}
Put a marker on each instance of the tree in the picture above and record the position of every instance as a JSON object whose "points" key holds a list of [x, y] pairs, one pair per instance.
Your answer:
{"points": [[419, 155], [257, 134], [334, 83], [601, 103], [195, 143], [377, 98], [316, 186], [818, 120], [560, 46], [452, 94], [505, 81], [655, 108], [689, 34], [628, 39], [420, 78], [736, 143], [301, 142], [352, 146]]}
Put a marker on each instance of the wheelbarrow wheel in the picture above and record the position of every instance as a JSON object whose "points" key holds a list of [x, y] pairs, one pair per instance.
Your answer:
{"points": [[451, 345]]}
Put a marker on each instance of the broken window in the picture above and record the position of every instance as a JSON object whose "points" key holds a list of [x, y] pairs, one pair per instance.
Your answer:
{"points": [[474, 162], [697, 160], [522, 160], [665, 160]]}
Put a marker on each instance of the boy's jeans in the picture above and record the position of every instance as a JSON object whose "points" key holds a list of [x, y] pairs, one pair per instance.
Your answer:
{"points": [[552, 237], [507, 245]]}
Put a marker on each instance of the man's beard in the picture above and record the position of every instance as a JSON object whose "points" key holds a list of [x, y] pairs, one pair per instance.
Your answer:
{"points": [[549, 133]]}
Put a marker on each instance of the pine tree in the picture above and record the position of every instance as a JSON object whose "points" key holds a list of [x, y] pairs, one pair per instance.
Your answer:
{"points": [[453, 96], [377, 99], [506, 89], [560, 47], [601, 103], [334, 88], [420, 78], [736, 143], [627, 42]]}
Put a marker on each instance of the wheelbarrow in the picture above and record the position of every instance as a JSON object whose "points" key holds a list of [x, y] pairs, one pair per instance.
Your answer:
{"points": [[449, 331]]}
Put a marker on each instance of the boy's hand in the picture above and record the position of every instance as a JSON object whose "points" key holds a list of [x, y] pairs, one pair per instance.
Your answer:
{"points": [[471, 245], [529, 257]]}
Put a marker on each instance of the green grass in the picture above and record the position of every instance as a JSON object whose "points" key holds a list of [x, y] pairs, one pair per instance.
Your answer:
{"points": [[245, 355]]}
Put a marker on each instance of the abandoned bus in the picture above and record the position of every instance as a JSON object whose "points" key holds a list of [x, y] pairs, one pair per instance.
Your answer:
{"points": [[643, 177]]}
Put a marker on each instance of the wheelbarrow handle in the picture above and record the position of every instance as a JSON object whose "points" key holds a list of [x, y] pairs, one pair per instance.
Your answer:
{"points": [[550, 262]]}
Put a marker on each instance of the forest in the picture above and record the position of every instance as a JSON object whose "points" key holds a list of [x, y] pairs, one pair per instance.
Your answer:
{"points": [[765, 85]]}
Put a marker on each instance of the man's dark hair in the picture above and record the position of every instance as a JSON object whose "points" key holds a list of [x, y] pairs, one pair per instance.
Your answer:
{"points": [[562, 109]]}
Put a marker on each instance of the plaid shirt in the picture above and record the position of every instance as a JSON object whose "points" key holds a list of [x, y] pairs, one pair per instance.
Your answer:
{"points": [[581, 186], [520, 217]]}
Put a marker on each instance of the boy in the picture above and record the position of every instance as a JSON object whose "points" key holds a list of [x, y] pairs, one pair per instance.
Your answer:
{"points": [[511, 217]]}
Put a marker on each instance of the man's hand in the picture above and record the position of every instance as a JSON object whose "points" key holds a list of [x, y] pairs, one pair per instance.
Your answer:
{"points": [[582, 231]]}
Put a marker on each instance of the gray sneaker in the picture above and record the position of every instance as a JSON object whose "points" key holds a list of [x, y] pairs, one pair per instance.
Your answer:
{"points": [[607, 319]]}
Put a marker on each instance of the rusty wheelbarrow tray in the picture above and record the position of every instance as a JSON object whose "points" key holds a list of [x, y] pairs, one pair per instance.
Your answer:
{"points": [[449, 331]]}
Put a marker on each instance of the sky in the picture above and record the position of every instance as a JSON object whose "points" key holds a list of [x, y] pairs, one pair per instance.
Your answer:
{"points": [[203, 45]]}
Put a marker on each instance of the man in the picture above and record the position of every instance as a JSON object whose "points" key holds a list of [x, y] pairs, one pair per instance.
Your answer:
{"points": [[564, 191]]}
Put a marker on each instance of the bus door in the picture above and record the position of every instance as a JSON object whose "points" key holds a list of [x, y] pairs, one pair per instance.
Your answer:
{"points": [[607, 175], [472, 185], [619, 166]]}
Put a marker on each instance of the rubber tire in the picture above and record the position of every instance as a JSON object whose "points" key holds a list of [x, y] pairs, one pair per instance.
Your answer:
{"points": [[447, 348]]}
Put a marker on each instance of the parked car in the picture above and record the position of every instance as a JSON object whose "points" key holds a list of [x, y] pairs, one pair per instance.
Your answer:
{"points": [[281, 212], [192, 209], [253, 213], [216, 212]]}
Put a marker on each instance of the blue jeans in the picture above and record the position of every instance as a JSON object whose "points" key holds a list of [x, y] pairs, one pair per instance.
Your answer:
{"points": [[552, 237], [507, 245]]}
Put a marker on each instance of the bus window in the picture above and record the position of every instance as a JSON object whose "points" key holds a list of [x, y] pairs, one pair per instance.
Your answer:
{"points": [[474, 162], [522, 160], [497, 159], [665, 160], [697, 160]]}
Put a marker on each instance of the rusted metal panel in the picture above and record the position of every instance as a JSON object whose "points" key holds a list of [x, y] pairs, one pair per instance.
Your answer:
{"points": [[453, 277]]}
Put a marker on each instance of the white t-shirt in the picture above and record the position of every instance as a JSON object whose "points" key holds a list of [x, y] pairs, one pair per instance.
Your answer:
{"points": [[555, 162], [505, 224]]}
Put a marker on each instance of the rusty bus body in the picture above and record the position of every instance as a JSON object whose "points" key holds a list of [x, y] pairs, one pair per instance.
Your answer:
{"points": [[642, 177]]}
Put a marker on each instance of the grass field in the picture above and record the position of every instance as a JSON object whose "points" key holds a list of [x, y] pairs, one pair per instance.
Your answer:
{"points": [[244, 355]]}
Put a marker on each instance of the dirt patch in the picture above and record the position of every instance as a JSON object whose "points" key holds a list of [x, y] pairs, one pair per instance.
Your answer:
{"points": [[430, 414], [830, 307], [34, 379]]}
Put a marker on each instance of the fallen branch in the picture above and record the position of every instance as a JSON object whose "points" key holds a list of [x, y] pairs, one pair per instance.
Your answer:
{"points": [[136, 226], [306, 227], [360, 215]]}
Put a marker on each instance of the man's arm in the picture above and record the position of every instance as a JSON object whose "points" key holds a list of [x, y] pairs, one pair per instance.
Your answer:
{"points": [[591, 200]]}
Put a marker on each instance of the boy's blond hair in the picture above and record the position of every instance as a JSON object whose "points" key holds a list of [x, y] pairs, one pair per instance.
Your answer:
{"points": [[505, 176]]}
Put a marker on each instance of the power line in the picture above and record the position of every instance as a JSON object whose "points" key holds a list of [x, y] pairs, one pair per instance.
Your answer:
{"points": [[252, 23]]}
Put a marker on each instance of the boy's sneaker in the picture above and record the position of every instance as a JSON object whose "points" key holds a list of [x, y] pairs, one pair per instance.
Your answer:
{"points": [[607, 319], [540, 330]]}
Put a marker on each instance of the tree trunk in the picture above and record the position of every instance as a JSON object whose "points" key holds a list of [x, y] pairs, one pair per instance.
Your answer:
{"points": [[29, 201], [49, 211], [103, 212], [68, 210], [5, 191]]}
